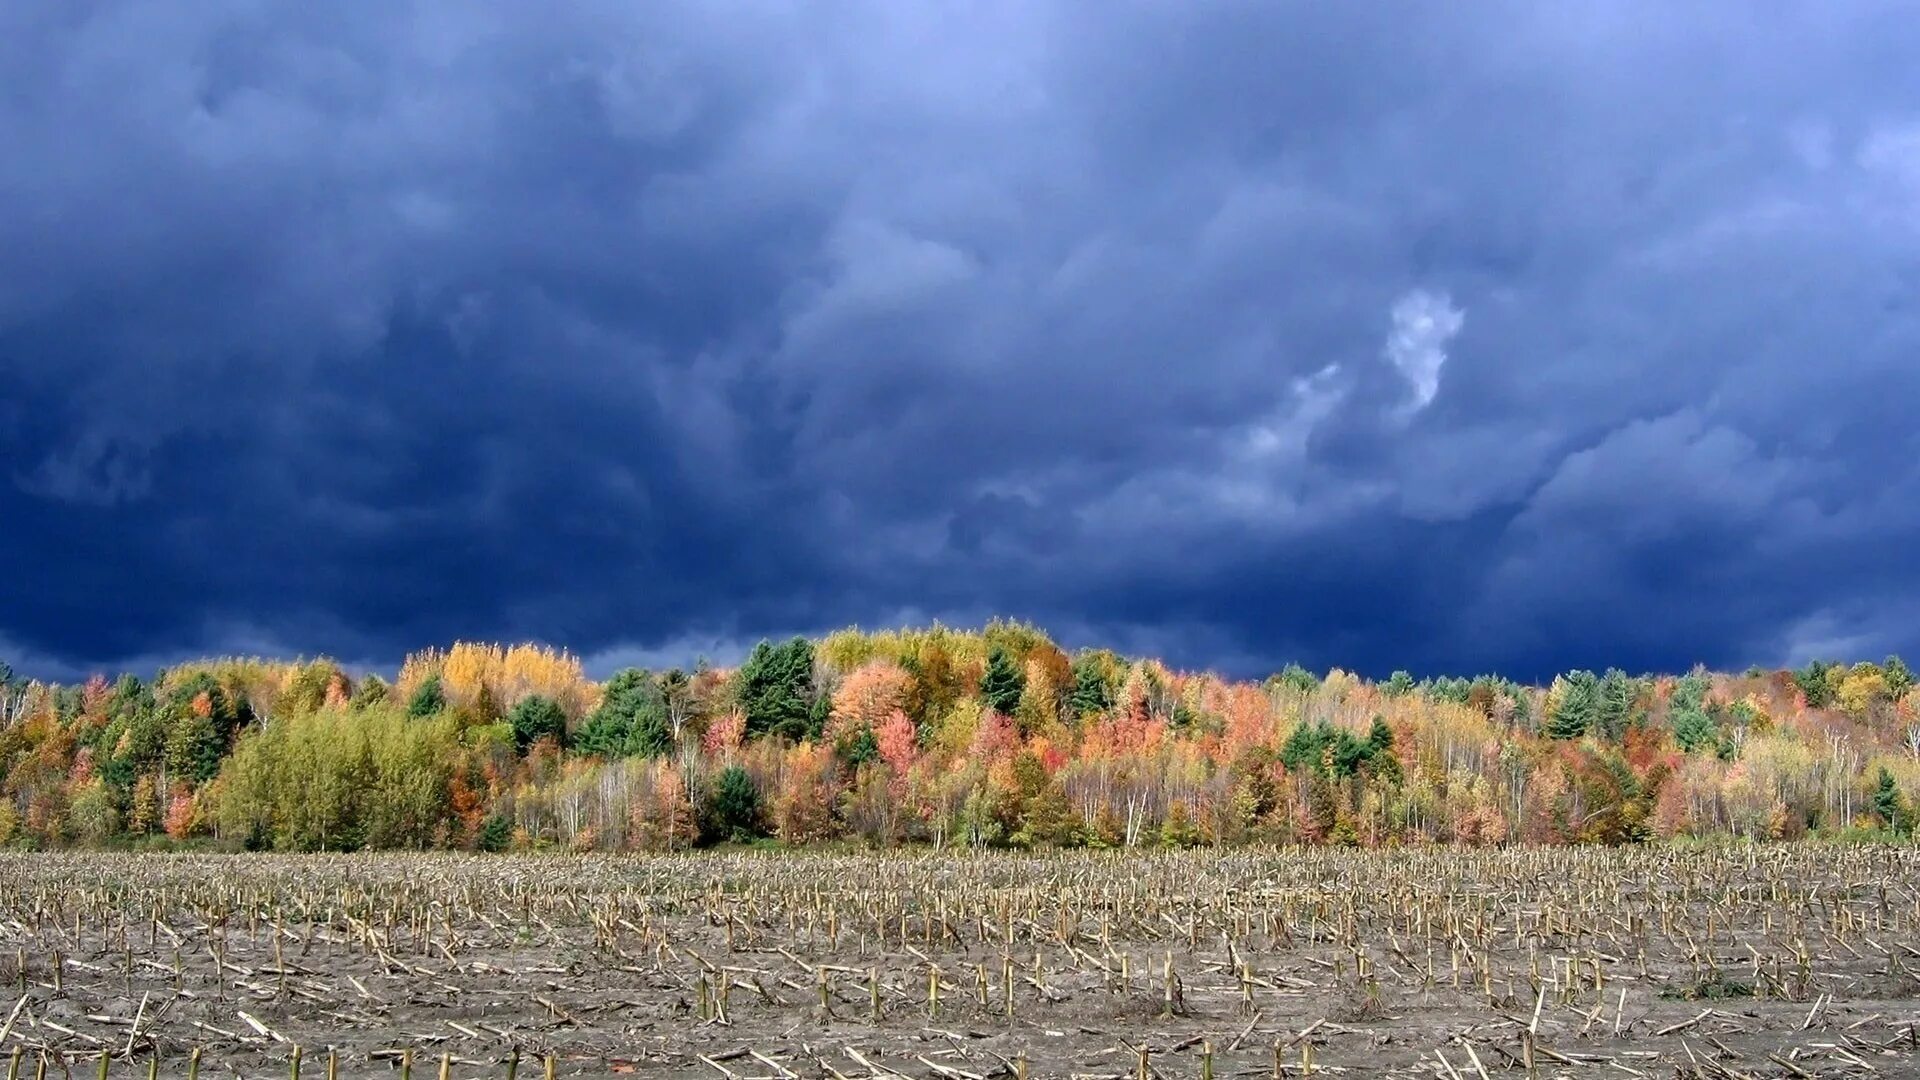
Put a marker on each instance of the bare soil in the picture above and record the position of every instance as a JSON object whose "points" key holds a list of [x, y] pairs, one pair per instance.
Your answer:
{"points": [[1774, 962]]}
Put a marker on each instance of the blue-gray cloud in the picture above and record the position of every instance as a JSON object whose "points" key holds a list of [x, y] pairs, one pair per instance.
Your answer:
{"points": [[1385, 335]]}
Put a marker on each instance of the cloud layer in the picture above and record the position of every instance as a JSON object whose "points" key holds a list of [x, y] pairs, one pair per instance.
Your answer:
{"points": [[1515, 337]]}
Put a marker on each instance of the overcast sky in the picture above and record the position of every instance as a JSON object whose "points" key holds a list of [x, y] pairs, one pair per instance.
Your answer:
{"points": [[1454, 337]]}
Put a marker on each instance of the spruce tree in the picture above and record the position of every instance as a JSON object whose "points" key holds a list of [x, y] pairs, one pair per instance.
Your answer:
{"points": [[537, 717], [1295, 677], [1888, 806], [1573, 715], [1090, 695], [194, 747], [1615, 703], [1816, 683], [1001, 684], [651, 736], [1693, 728], [629, 704], [1379, 736], [1305, 748], [428, 699], [819, 711], [775, 688], [734, 812], [1899, 677], [373, 690]]}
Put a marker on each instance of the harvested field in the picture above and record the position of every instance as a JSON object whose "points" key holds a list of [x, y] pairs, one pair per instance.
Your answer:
{"points": [[1788, 961]]}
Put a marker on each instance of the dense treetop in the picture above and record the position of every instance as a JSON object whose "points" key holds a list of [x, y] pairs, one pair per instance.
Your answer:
{"points": [[944, 736]]}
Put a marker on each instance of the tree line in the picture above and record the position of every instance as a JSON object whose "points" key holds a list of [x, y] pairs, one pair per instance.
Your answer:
{"points": [[995, 737]]}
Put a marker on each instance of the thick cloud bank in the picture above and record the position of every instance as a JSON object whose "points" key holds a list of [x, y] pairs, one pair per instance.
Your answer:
{"points": [[1502, 336]]}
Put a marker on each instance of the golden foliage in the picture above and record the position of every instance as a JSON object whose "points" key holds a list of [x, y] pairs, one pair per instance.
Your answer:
{"points": [[509, 674]]}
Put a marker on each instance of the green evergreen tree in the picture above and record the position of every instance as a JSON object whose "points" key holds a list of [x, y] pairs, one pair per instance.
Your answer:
{"points": [[1002, 682], [1090, 696], [484, 708], [427, 699], [495, 833], [1048, 819], [652, 735], [1346, 754], [1888, 805], [1399, 684], [1295, 677], [1305, 748], [775, 689], [631, 719], [194, 748], [626, 690], [1379, 735], [1693, 727], [373, 690], [537, 717], [1178, 829], [819, 711], [1816, 683], [1899, 677], [856, 748], [1574, 714], [228, 716], [734, 811], [1615, 704], [604, 734]]}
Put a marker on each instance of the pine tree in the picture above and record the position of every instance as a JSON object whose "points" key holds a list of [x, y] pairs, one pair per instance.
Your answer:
{"points": [[1295, 677], [1693, 728], [1888, 805], [1573, 714], [1346, 754], [484, 709], [819, 713], [734, 813], [1049, 819], [1001, 684], [373, 690], [775, 688], [1615, 703], [1091, 695], [857, 748], [496, 833], [1305, 748], [1379, 736], [1899, 677], [1399, 684], [1815, 683], [631, 719], [428, 699], [651, 735], [194, 747], [537, 717], [604, 734]]}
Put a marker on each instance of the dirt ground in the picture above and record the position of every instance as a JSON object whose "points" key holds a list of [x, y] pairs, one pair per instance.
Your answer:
{"points": [[1777, 962]]}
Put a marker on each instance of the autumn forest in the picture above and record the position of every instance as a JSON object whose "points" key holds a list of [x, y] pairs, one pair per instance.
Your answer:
{"points": [[994, 738]]}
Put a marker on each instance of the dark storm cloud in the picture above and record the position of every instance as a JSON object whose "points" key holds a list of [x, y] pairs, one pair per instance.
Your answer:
{"points": [[1508, 337]]}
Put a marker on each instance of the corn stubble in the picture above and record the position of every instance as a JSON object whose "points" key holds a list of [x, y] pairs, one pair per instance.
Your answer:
{"points": [[1784, 961]]}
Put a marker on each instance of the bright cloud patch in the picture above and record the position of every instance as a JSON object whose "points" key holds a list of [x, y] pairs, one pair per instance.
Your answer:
{"points": [[1423, 323]]}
